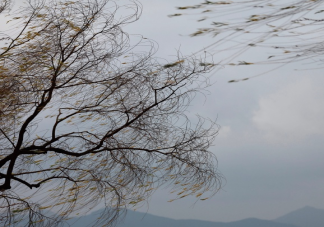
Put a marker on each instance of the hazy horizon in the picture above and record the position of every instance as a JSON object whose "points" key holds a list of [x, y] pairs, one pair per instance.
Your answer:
{"points": [[270, 145]]}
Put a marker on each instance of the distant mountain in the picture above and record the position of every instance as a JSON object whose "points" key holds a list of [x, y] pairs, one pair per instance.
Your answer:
{"points": [[137, 219], [304, 217], [254, 222]]}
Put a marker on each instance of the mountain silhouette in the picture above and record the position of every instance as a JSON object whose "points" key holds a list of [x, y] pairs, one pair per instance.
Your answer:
{"points": [[304, 217], [138, 219]]}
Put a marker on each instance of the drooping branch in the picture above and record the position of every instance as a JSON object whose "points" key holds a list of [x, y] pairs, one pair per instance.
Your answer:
{"points": [[92, 119]]}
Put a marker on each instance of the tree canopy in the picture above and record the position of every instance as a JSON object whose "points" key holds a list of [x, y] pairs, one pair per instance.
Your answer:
{"points": [[86, 119]]}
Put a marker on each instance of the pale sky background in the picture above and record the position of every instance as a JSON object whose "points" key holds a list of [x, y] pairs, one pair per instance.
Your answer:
{"points": [[270, 146]]}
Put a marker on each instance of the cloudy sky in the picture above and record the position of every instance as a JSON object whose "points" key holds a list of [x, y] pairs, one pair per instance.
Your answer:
{"points": [[270, 145]]}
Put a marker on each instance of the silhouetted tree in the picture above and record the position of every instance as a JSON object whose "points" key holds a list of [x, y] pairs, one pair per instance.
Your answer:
{"points": [[87, 120]]}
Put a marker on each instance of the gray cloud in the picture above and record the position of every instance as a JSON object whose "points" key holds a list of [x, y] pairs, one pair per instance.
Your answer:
{"points": [[293, 112], [270, 147]]}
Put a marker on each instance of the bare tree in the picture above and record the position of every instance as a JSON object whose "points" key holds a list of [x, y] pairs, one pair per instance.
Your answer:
{"points": [[88, 120], [293, 29]]}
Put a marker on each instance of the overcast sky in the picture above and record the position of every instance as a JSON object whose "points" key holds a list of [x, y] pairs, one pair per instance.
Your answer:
{"points": [[270, 145]]}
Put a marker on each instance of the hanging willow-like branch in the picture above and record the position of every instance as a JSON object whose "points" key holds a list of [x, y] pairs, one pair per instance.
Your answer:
{"points": [[285, 31], [87, 120]]}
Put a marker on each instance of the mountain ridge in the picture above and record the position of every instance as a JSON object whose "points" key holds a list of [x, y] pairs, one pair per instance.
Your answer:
{"points": [[139, 219], [304, 217]]}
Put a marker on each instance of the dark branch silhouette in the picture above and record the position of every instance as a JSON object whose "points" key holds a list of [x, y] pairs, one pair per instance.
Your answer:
{"points": [[88, 119]]}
